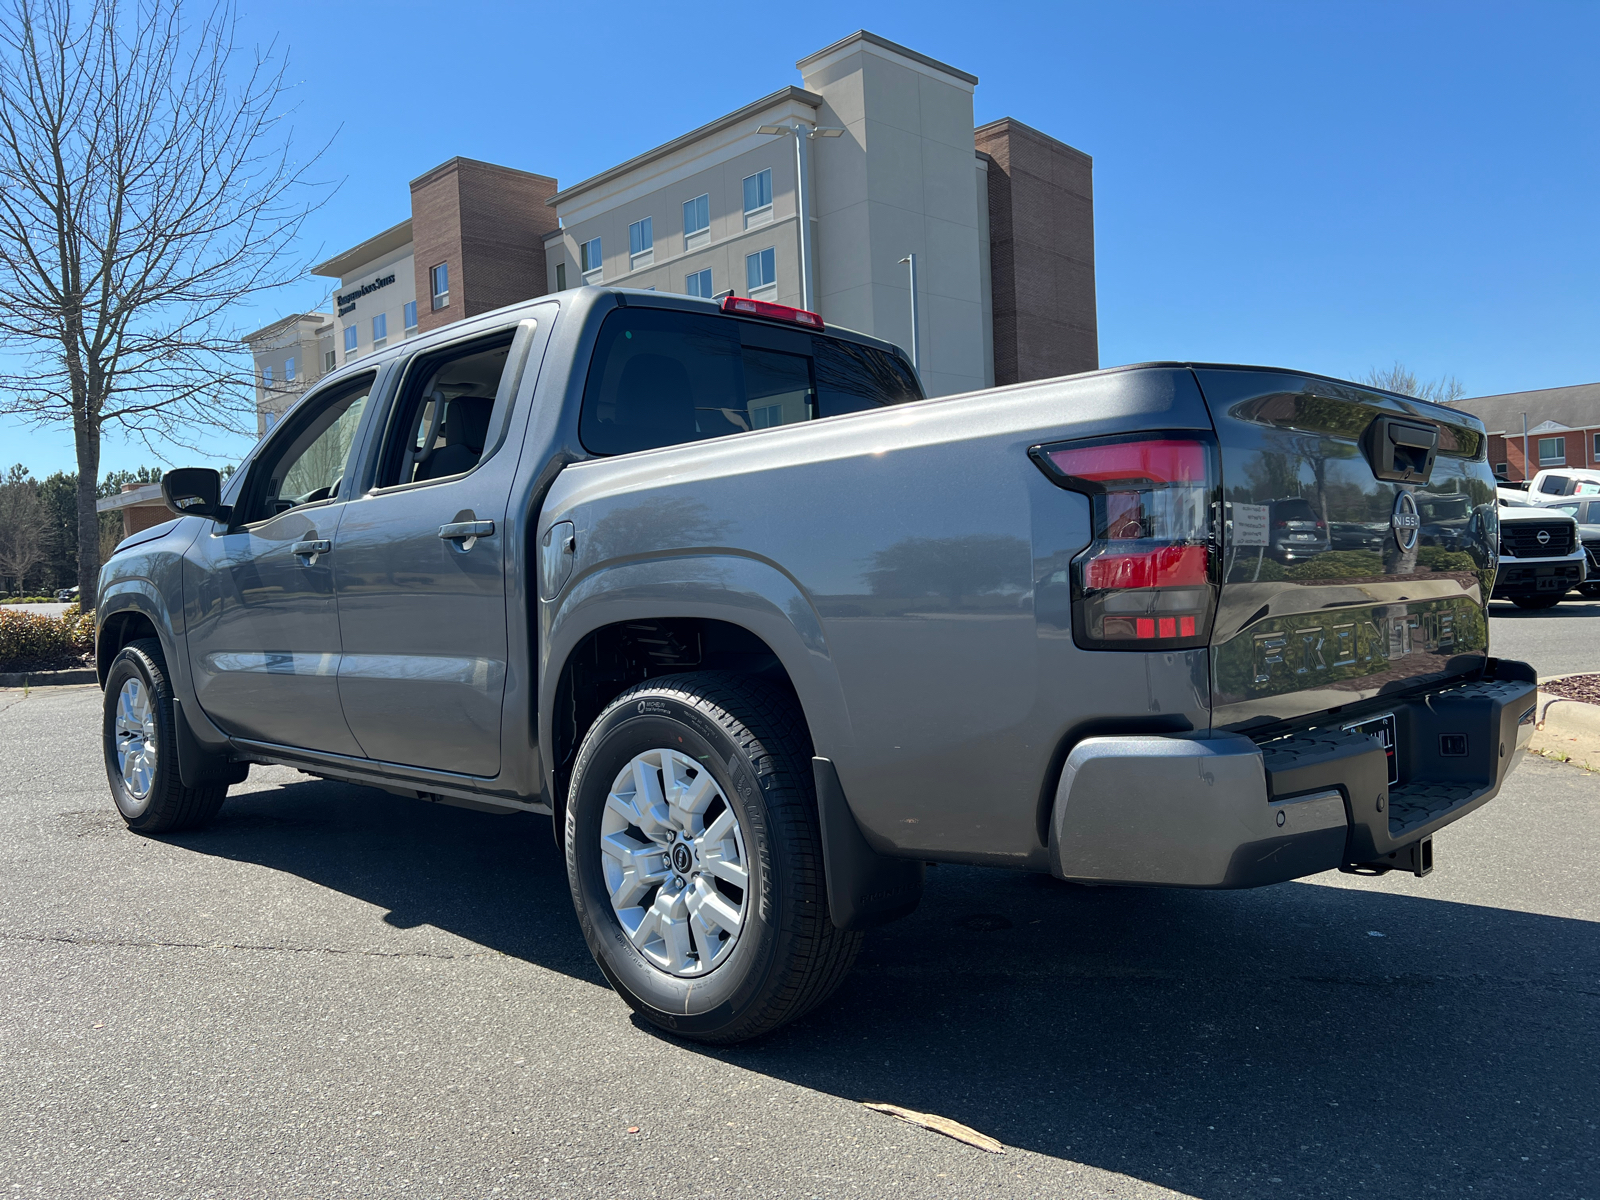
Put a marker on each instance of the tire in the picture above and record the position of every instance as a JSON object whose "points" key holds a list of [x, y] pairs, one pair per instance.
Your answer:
{"points": [[698, 980], [1589, 590], [1547, 601], [150, 795]]}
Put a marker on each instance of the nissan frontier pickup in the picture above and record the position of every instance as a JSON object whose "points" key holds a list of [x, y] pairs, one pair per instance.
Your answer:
{"points": [[764, 631]]}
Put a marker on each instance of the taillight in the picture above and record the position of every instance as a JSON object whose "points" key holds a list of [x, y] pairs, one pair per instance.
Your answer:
{"points": [[773, 312], [1147, 579]]}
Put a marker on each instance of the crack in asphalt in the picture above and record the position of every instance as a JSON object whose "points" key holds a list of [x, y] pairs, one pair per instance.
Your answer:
{"points": [[151, 944]]}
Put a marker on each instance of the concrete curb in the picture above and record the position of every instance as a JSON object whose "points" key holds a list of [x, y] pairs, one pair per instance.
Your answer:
{"points": [[1567, 728], [47, 678]]}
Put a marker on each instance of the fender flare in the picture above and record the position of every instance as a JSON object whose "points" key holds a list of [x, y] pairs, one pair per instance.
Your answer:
{"points": [[738, 589], [202, 751]]}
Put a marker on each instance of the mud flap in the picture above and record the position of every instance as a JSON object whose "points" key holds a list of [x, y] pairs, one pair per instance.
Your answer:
{"points": [[198, 767], [865, 888]]}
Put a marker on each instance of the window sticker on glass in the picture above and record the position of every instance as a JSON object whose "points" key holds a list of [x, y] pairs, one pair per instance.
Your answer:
{"points": [[1250, 525]]}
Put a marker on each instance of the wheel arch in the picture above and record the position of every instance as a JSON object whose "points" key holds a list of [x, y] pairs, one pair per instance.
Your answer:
{"points": [[128, 621], [705, 612]]}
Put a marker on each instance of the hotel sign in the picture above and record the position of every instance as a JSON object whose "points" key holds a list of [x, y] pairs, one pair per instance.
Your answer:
{"points": [[347, 302]]}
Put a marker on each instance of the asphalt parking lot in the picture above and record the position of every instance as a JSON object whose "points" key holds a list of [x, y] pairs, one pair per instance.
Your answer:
{"points": [[1557, 641], [336, 992]]}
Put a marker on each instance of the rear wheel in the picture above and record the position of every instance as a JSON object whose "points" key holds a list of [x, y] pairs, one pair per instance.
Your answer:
{"points": [[695, 858], [1546, 601], [141, 747]]}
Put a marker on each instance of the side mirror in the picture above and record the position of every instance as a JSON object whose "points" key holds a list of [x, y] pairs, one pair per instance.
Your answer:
{"points": [[195, 492]]}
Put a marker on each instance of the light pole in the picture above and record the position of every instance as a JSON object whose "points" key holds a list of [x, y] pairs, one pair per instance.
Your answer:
{"points": [[916, 356], [802, 194]]}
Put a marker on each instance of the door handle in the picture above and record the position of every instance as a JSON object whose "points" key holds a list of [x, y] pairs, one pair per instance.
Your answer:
{"points": [[464, 530], [309, 550]]}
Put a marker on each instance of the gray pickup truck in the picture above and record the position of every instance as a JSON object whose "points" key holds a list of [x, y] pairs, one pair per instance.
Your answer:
{"points": [[765, 632]]}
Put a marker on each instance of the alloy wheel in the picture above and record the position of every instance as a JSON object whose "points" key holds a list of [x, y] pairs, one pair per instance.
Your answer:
{"points": [[136, 740], [673, 853]]}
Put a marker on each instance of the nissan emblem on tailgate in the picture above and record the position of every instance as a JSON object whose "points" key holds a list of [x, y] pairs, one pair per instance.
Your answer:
{"points": [[1405, 521]]}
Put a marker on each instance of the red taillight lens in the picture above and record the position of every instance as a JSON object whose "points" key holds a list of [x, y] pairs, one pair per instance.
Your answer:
{"points": [[773, 312], [1132, 464], [1165, 566], [1145, 580]]}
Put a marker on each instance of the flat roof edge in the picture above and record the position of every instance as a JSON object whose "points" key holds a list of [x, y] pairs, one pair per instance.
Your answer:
{"points": [[368, 250], [863, 35], [1038, 133], [810, 99]]}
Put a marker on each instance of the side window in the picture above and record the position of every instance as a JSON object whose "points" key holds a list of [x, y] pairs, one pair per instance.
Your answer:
{"points": [[851, 378], [445, 414], [660, 378], [310, 453]]}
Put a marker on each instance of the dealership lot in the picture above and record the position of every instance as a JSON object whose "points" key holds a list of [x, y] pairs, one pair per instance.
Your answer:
{"points": [[338, 992]]}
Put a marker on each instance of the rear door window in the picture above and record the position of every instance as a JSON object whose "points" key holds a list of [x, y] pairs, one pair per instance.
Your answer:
{"points": [[445, 419], [660, 378]]}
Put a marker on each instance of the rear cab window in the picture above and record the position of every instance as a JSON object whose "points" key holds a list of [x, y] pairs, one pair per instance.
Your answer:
{"points": [[661, 377]]}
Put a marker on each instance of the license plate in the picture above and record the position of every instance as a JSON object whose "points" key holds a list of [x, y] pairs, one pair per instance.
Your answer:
{"points": [[1381, 728]]}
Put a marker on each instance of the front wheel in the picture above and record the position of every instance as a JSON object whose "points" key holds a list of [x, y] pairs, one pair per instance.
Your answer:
{"points": [[1545, 601], [141, 747], [695, 858]]}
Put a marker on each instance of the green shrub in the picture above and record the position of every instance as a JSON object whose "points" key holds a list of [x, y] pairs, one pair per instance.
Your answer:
{"points": [[30, 641]]}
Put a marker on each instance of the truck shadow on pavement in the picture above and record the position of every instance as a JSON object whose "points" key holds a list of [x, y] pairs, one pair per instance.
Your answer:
{"points": [[1297, 1040]]}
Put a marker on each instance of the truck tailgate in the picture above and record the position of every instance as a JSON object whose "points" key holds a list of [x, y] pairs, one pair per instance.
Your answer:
{"points": [[1359, 538]]}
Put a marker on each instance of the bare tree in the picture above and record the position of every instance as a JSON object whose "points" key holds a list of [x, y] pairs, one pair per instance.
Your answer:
{"points": [[147, 184], [24, 526], [1401, 378]]}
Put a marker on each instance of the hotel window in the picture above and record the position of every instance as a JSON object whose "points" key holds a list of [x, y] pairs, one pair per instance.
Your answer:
{"points": [[440, 277], [1552, 450], [1597, 447], [761, 274], [266, 376], [288, 371], [697, 222], [1502, 470], [411, 317], [270, 420], [699, 284], [561, 277], [349, 341], [329, 360], [589, 260], [758, 198], [380, 330], [641, 245]]}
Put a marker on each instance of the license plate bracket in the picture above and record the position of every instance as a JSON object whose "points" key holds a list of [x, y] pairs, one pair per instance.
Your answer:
{"points": [[1382, 728]]}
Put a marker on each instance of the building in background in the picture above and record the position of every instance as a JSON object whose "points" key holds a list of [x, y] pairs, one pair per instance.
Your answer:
{"points": [[289, 357], [1562, 426], [814, 196]]}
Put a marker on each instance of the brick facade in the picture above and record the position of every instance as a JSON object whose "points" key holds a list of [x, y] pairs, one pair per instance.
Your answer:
{"points": [[1041, 253], [489, 224], [1507, 448]]}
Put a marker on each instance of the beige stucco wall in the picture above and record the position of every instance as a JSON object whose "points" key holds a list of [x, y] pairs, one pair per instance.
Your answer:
{"points": [[900, 181], [716, 166], [390, 300], [296, 339]]}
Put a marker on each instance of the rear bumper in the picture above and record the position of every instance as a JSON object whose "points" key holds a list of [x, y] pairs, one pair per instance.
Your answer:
{"points": [[1221, 811], [1539, 576]]}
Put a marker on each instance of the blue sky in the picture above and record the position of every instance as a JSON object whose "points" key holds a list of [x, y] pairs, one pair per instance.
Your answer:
{"points": [[1325, 186]]}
